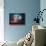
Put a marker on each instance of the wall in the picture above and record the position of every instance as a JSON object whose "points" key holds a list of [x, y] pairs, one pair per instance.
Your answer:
{"points": [[29, 7], [43, 6]]}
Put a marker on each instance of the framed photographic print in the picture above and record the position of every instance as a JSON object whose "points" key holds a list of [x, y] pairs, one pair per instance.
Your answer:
{"points": [[17, 18]]}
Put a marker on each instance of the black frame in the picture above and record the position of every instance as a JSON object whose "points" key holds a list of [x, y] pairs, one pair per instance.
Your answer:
{"points": [[20, 22]]}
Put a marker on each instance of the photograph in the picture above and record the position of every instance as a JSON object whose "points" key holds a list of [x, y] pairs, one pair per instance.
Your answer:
{"points": [[17, 18]]}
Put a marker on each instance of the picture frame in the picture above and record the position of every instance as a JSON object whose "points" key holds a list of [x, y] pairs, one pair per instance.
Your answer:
{"points": [[17, 18]]}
